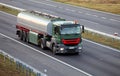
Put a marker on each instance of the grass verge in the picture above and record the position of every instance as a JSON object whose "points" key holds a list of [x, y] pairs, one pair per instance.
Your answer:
{"points": [[8, 69], [101, 39], [9, 10], [112, 6], [87, 35]]}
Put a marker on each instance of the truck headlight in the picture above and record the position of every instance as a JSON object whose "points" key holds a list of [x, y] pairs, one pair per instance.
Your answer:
{"points": [[61, 48]]}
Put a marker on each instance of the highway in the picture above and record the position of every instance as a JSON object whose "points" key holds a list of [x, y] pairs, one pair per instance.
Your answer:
{"points": [[96, 59], [101, 21], [30, 54]]}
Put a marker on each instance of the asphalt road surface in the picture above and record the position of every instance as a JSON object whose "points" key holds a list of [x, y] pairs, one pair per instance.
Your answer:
{"points": [[96, 59], [101, 21]]}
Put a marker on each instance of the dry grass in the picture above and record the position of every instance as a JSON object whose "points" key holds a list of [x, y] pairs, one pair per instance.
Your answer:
{"points": [[102, 39], [9, 10], [92, 1], [112, 6], [7, 69]]}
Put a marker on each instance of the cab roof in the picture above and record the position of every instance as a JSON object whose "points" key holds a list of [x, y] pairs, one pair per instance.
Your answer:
{"points": [[59, 23]]}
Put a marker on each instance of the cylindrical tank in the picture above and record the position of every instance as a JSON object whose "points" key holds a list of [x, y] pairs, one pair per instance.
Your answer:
{"points": [[37, 21]]}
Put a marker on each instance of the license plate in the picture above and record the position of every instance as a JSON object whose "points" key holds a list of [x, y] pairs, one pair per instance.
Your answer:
{"points": [[71, 47]]}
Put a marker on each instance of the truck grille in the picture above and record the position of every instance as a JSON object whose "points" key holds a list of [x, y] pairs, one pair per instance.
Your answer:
{"points": [[71, 41]]}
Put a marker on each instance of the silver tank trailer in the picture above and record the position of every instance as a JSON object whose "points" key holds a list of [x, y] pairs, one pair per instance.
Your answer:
{"points": [[36, 20]]}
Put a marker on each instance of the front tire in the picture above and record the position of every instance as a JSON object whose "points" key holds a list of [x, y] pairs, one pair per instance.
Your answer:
{"points": [[54, 49]]}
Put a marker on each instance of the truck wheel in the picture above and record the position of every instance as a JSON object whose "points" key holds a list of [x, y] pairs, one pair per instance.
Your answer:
{"points": [[24, 36], [42, 45], [27, 38], [54, 49], [18, 33], [21, 35]]}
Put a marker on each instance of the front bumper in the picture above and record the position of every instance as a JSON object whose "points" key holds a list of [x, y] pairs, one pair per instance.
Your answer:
{"points": [[69, 49]]}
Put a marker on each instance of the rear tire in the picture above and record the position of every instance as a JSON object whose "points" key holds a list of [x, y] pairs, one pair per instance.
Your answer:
{"points": [[24, 36], [21, 35], [42, 45], [27, 37]]}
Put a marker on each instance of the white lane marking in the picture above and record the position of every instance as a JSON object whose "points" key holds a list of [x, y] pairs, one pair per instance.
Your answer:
{"points": [[43, 3], [91, 22], [95, 15], [60, 7], [80, 12], [70, 10], [87, 14], [103, 17], [103, 45], [46, 55], [114, 20], [50, 12], [16, 59], [7, 14], [12, 7]]}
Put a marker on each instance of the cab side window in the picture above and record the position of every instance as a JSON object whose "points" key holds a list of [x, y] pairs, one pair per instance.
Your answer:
{"points": [[57, 30]]}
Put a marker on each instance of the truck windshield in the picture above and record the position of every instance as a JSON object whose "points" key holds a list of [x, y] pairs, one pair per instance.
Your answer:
{"points": [[70, 29]]}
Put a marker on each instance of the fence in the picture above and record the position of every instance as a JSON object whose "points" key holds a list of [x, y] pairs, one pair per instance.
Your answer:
{"points": [[21, 66]]}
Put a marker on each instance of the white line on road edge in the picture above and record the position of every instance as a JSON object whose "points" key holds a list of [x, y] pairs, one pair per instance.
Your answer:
{"points": [[102, 33], [102, 45], [46, 55], [12, 7], [55, 58], [114, 20], [7, 14], [18, 60]]}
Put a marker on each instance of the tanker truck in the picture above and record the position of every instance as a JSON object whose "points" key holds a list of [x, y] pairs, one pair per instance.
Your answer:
{"points": [[49, 31]]}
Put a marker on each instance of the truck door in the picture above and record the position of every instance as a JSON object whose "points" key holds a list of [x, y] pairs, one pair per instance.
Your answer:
{"points": [[57, 33]]}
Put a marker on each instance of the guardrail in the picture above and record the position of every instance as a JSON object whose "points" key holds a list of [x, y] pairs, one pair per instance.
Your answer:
{"points": [[22, 66], [87, 29]]}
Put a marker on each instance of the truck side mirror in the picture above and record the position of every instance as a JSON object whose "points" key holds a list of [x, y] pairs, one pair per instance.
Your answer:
{"points": [[82, 28]]}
